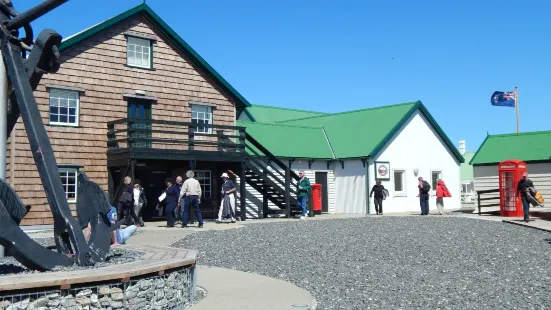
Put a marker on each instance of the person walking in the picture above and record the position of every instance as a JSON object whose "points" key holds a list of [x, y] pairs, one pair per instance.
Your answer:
{"points": [[171, 202], [424, 188], [191, 190], [139, 202], [227, 203], [126, 204], [379, 191], [441, 192], [303, 188], [178, 210], [523, 190]]}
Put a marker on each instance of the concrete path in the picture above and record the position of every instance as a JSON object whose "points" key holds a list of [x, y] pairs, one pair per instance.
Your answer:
{"points": [[231, 289]]}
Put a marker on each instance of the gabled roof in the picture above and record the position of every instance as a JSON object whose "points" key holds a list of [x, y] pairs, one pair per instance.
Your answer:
{"points": [[355, 134], [526, 146], [267, 114], [366, 132], [281, 140], [173, 38]]}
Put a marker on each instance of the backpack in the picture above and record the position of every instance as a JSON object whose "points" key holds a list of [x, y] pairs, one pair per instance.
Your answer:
{"points": [[426, 186]]}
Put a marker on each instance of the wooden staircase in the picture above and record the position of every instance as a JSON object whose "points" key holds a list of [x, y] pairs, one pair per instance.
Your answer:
{"points": [[272, 178]]}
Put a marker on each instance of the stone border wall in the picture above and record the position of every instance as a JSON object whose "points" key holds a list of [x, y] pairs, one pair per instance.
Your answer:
{"points": [[172, 290]]}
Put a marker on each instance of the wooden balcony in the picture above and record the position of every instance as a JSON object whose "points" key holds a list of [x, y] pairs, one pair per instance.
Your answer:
{"points": [[167, 140]]}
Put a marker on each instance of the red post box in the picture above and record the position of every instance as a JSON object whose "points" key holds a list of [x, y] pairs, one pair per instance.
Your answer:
{"points": [[316, 198], [510, 173]]}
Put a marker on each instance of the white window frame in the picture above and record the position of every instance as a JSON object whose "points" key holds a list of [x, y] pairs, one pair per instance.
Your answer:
{"points": [[133, 44], [205, 116], [54, 96], [204, 192], [67, 171], [403, 192], [433, 186]]}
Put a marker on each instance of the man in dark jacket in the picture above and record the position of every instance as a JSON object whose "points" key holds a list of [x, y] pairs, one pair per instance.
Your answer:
{"points": [[523, 190], [171, 202], [303, 188], [378, 190], [424, 188]]}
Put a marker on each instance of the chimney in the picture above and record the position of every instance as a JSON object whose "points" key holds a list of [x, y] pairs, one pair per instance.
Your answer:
{"points": [[462, 147]]}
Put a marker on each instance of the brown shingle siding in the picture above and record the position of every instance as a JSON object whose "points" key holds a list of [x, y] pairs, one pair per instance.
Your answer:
{"points": [[98, 66]]}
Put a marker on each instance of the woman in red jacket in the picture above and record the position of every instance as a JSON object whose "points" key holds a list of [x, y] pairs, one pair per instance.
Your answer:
{"points": [[441, 192]]}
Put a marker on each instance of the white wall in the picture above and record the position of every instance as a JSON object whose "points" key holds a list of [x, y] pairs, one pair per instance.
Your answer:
{"points": [[417, 145], [320, 166], [350, 187]]}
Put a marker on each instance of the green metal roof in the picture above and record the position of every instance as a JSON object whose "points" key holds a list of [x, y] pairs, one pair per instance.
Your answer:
{"points": [[355, 134], [526, 146], [281, 140], [170, 35], [366, 132], [267, 114], [466, 169]]}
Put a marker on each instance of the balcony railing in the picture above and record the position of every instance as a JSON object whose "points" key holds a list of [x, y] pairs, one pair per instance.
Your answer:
{"points": [[145, 134]]}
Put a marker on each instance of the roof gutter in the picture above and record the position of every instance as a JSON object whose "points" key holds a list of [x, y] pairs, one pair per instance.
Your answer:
{"points": [[329, 143]]}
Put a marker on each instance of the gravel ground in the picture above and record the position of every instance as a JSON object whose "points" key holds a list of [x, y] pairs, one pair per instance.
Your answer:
{"points": [[8, 264], [392, 262]]}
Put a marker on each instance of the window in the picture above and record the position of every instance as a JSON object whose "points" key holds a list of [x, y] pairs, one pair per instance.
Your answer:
{"points": [[201, 114], [64, 106], [138, 52], [203, 176], [434, 176], [399, 177], [69, 181]]}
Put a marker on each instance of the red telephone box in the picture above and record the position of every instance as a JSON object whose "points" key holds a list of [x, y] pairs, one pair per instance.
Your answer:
{"points": [[510, 173]]}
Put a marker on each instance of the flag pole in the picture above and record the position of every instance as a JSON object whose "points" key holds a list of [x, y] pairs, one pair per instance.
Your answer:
{"points": [[516, 107]]}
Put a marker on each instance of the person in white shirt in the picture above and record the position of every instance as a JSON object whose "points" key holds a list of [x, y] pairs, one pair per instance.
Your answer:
{"points": [[191, 192]]}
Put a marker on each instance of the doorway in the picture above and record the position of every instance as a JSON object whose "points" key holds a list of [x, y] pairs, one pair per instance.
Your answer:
{"points": [[140, 109], [153, 183], [321, 178]]}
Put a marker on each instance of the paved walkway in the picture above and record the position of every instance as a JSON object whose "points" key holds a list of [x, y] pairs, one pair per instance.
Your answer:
{"points": [[231, 289]]}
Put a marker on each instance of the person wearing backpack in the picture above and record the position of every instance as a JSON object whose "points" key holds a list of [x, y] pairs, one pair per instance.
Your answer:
{"points": [[424, 188]]}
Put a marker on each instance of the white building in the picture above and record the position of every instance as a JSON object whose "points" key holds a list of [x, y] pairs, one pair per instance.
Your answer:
{"points": [[344, 150], [534, 148]]}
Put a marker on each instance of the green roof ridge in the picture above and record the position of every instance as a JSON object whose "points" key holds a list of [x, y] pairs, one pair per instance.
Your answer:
{"points": [[521, 133], [350, 112], [276, 124], [286, 109], [172, 37]]}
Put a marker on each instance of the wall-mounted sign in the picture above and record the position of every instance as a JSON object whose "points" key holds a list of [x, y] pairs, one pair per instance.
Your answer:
{"points": [[382, 170]]}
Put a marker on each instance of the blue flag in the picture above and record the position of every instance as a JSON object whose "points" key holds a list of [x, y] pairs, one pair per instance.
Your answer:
{"points": [[504, 99]]}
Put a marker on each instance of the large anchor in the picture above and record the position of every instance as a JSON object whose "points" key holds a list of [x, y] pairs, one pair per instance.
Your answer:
{"points": [[24, 74]]}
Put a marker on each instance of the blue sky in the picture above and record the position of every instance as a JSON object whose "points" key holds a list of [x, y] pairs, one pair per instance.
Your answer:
{"points": [[336, 56]]}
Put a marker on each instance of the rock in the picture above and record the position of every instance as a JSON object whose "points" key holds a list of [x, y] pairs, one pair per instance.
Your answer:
{"points": [[84, 293], [145, 283], [117, 296], [105, 301], [116, 290], [83, 301], [4, 303], [53, 303], [104, 290], [40, 302], [116, 305]]}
